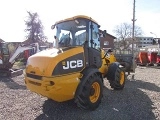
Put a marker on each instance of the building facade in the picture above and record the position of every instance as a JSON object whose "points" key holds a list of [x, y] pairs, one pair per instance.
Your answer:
{"points": [[144, 41], [107, 42]]}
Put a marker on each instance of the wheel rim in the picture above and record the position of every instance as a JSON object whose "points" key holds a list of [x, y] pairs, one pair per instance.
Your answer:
{"points": [[122, 78], [94, 92]]}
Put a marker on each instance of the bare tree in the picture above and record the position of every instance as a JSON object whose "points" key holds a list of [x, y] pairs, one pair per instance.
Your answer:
{"points": [[34, 27], [124, 33]]}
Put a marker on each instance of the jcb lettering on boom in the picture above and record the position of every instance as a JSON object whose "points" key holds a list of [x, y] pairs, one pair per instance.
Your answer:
{"points": [[72, 64]]}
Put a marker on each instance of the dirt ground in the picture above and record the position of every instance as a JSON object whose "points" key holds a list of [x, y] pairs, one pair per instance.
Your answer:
{"points": [[139, 100]]}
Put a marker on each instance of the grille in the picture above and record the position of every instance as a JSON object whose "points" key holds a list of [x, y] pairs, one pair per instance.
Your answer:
{"points": [[35, 83], [34, 76]]}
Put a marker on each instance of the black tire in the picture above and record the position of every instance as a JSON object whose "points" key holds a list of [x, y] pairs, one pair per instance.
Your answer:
{"points": [[91, 94], [116, 76]]}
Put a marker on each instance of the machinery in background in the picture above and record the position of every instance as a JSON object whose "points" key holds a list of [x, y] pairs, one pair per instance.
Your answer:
{"points": [[148, 57], [126, 59], [7, 61], [142, 58]]}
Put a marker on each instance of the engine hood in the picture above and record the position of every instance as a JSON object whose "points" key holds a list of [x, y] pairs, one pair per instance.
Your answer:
{"points": [[52, 61], [47, 53], [38, 63]]}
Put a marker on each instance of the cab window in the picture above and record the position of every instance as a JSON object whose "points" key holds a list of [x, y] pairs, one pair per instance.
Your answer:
{"points": [[94, 36]]}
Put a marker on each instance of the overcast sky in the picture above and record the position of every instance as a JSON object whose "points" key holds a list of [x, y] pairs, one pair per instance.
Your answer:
{"points": [[108, 13]]}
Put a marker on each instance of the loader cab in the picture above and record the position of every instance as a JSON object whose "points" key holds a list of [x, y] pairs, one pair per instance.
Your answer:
{"points": [[4, 53], [80, 31]]}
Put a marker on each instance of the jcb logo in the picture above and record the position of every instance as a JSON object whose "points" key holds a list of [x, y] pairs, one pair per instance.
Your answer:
{"points": [[72, 64]]}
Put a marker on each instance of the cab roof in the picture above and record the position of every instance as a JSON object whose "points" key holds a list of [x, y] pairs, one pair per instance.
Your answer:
{"points": [[75, 17]]}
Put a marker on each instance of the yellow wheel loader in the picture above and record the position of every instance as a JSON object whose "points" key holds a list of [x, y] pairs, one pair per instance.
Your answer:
{"points": [[75, 68]]}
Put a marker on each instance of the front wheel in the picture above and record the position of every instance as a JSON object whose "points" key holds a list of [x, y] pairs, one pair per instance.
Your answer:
{"points": [[91, 94], [116, 77]]}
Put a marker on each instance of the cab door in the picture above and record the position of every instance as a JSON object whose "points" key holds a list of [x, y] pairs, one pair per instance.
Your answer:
{"points": [[94, 53]]}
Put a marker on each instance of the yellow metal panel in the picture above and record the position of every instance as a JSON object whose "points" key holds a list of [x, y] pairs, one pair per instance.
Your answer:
{"points": [[104, 68], [63, 89], [44, 66], [75, 17], [61, 57]]}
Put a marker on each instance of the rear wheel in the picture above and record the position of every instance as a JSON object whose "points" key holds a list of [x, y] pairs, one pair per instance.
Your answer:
{"points": [[91, 94], [117, 77]]}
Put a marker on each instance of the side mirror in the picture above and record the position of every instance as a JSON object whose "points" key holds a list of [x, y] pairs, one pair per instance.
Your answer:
{"points": [[104, 33], [55, 37], [52, 27]]}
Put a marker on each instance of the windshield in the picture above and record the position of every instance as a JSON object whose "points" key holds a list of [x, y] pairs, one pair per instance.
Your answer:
{"points": [[71, 33]]}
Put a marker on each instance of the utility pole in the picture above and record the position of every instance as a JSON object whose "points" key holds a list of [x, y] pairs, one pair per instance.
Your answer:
{"points": [[133, 20], [133, 38]]}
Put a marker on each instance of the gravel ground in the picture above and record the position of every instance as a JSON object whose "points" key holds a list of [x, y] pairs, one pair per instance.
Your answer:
{"points": [[139, 100]]}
